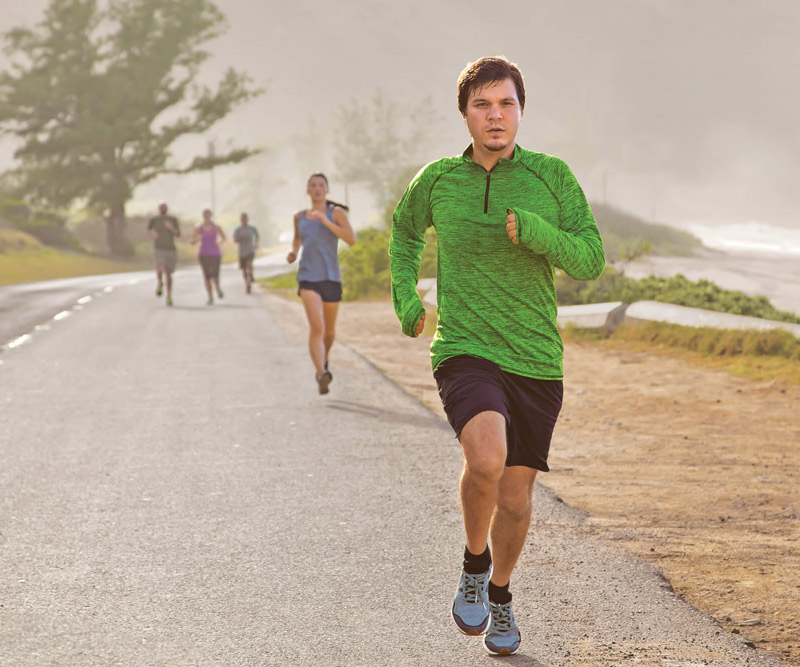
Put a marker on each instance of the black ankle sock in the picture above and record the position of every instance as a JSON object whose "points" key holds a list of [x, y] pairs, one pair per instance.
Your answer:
{"points": [[499, 594], [477, 564]]}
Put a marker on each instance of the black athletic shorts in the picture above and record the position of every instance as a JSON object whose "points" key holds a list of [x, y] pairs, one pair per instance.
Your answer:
{"points": [[469, 385], [244, 260], [210, 264], [329, 290]]}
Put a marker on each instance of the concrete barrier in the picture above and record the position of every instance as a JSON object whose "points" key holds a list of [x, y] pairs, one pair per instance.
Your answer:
{"points": [[427, 289], [609, 316], [655, 311], [592, 315]]}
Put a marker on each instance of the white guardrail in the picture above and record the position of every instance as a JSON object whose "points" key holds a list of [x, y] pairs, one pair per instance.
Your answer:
{"points": [[610, 315]]}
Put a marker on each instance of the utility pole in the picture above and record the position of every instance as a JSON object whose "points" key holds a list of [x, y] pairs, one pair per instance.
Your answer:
{"points": [[212, 155]]}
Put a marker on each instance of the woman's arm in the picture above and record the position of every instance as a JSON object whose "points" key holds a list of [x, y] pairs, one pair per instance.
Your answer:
{"points": [[195, 235], [221, 234], [296, 241], [340, 225]]}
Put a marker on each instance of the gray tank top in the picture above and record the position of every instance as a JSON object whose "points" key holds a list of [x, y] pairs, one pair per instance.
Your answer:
{"points": [[320, 259]]}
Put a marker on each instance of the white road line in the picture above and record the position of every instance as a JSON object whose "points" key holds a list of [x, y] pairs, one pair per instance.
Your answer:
{"points": [[24, 338]]}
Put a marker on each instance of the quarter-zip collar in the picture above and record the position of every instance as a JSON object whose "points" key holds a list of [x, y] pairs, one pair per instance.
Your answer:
{"points": [[467, 155], [502, 164]]}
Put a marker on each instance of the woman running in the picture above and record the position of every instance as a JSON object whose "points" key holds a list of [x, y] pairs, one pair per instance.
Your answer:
{"points": [[210, 235], [318, 230]]}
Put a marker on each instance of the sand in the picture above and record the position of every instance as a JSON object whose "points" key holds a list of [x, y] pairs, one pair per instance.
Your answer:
{"points": [[692, 469]]}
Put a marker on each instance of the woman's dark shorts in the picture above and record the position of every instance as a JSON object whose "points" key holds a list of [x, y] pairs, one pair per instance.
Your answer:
{"points": [[329, 290], [469, 385], [210, 264], [245, 260]]}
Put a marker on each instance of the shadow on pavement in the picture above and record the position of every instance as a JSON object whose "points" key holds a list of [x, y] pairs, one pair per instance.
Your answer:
{"points": [[211, 309], [523, 660], [389, 416]]}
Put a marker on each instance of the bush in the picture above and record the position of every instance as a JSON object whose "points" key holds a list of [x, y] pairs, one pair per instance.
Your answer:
{"points": [[613, 286], [365, 266], [46, 226]]}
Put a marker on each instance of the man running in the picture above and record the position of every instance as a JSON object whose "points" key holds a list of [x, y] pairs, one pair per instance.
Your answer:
{"points": [[164, 229], [505, 218], [246, 236]]}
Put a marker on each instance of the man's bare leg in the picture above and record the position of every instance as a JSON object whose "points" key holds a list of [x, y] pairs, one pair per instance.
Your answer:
{"points": [[483, 441], [511, 521]]}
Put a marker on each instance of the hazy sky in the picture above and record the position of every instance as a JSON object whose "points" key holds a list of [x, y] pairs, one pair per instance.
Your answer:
{"points": [[686, 110]]}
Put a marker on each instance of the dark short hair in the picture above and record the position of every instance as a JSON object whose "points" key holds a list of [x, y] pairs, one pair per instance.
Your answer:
{"points": [[488, 70]]}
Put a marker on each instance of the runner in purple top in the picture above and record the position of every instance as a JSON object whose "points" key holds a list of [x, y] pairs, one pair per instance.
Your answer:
{"points": [[209, 234]]}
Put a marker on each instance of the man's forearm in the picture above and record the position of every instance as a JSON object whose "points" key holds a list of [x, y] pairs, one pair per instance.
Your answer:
{"points": [[581, 256]]}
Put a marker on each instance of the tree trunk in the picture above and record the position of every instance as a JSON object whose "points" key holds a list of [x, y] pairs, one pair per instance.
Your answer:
{"points": [[118, 244]]}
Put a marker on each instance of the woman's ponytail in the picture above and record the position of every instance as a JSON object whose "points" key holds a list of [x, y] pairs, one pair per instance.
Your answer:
{"points": [[336, 203]]}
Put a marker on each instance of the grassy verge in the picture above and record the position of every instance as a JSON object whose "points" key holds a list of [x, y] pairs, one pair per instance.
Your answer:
{"points": [[24, 259], [284, 285], [759, 355]]}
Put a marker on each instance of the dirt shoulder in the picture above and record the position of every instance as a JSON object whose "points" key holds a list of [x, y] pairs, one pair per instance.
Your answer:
{"points": [[692, 469]]}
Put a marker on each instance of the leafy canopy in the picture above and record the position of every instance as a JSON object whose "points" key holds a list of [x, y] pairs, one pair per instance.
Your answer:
{"points": [[98, 96]]}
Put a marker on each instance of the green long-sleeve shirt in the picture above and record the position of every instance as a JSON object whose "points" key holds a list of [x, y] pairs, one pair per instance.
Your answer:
{"points": [[496, 299]]}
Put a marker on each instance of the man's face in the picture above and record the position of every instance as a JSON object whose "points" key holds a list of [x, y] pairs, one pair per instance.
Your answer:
{"points": [[493, 115], [162, 209], [244, 219]]}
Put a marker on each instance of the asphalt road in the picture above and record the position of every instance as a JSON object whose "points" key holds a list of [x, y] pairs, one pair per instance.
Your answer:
{"points": [[174, 492]]}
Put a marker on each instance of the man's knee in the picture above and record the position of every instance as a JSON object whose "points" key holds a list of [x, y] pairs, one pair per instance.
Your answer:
{"points": [[515, 495], [487, 467], [483, 439], [516, 506]]}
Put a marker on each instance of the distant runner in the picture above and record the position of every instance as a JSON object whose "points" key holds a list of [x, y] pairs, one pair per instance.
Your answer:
{"points": [[505, 218], [209, 234], [318, 230], [164, 229], [246, 236]]}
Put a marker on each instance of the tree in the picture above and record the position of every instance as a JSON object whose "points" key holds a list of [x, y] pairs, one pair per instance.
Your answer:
{"points": [[97, 97], [378, 140]]}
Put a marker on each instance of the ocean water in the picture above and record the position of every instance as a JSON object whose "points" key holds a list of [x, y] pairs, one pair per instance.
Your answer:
{"points": [[757, 237]]}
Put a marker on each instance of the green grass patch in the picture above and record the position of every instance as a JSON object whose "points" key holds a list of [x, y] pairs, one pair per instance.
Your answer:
{"points": [[37, 262], [763, 355], [284, 281]]}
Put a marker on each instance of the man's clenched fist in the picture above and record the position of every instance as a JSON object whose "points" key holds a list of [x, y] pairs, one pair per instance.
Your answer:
{"points": [[511, 226]]}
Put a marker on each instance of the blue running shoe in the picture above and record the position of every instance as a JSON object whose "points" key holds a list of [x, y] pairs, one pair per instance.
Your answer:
{"points": [[471, 603], [502, 637]]}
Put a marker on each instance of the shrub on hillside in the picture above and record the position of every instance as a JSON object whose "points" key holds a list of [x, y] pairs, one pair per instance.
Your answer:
{"points": [[365, 266], [679, 290], [620, 230], [46, 226]]}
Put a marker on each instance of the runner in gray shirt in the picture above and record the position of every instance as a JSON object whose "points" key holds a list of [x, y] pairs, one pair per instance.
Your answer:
{"points": [[246, 236], [164, 229]]}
